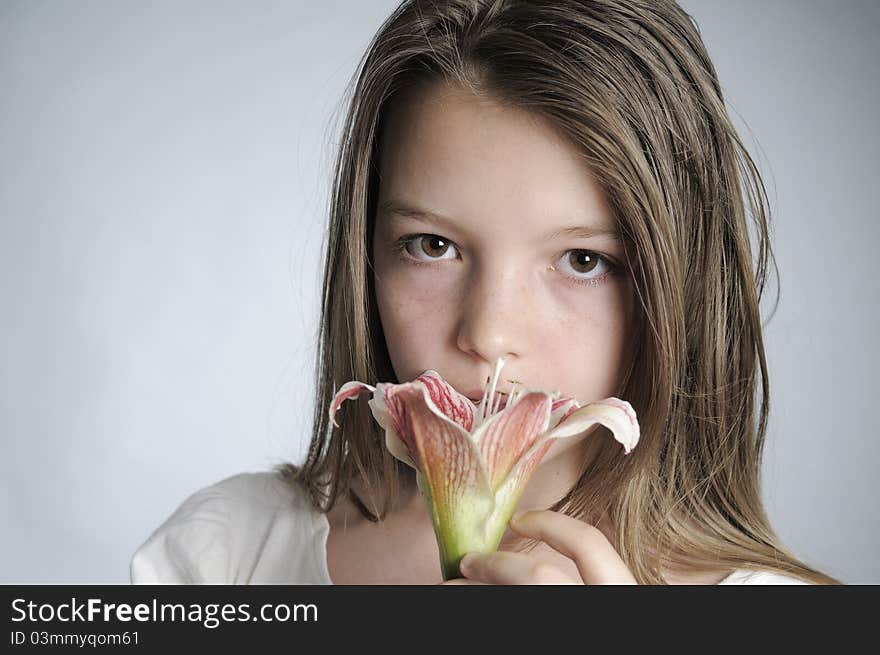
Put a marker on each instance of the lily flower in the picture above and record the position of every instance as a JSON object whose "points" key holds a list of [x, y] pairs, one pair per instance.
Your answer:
{"points": [[473, 461]]}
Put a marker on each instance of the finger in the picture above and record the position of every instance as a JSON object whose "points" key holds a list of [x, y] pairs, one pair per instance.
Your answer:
{"points": [[508, 568], [462, 581], [595, 557]]}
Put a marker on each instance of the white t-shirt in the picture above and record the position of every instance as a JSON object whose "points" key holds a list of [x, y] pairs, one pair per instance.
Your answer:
{"points": [[252, 528]]}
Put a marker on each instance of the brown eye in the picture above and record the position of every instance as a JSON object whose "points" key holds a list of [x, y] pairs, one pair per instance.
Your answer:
{"points": [[430, 247], [433, 246], [583, 261], [585, 266]]}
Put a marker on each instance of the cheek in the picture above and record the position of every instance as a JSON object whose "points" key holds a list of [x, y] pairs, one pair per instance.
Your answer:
{"points": [[411, 298], [591, 346], [414, 319], [406, 293]]}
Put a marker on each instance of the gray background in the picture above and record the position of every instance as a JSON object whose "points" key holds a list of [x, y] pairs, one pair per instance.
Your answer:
{"points": [[163, 174]]}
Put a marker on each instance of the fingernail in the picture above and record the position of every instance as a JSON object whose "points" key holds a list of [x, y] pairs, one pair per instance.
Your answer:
{"points": [[465, 563], [517, 517]]}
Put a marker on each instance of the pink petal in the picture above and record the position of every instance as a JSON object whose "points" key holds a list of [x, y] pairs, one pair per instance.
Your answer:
{"points": [[562, 409], [346, 391], [516, 481], [617, 415], [452, 404], [505, 436], [443, 450], [393, 442]]}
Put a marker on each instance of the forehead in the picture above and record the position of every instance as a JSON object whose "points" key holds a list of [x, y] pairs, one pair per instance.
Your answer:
{"points": [[458, 154]]}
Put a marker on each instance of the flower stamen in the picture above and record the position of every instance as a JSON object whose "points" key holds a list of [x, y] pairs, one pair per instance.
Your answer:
{"points": [[499, 364], [515, 392]]}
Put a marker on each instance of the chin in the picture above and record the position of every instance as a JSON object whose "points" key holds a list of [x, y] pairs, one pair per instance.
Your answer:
{"points": [[569, 445]]}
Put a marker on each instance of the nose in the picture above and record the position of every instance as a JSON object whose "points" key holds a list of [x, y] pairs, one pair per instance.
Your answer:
{"points": [[493, 318]]}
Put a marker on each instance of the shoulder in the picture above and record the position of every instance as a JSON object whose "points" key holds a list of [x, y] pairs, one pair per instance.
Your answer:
{"points": [[231, 532], [747, 576], [257, 494]]}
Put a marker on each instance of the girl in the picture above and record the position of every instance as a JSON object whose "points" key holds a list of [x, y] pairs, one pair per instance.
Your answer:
{"points": [[557, 184]]}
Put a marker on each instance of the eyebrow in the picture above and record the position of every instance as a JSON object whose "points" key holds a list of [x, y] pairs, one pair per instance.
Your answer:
{"points": [[397, 211]]}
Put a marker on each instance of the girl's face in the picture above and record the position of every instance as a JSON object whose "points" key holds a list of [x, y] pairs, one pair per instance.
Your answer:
{"points": [[483, 249]]}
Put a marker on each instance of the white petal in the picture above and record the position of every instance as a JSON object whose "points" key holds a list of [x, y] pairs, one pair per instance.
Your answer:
{"points": [[615, 414]]}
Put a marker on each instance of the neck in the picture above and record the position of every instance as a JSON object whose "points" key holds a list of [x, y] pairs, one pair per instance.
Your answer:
{"points": [[557, 474], [550, 482], [553, 479]]}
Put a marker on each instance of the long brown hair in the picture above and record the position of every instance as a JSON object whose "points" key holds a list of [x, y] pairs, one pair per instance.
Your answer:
{"points": [[630, 84]]}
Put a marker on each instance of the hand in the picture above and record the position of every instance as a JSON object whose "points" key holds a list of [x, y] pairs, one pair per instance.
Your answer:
{"points": [[589, 549]]}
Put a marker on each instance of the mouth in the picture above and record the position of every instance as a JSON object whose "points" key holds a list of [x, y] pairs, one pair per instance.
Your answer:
{"points": [[476, 397]]}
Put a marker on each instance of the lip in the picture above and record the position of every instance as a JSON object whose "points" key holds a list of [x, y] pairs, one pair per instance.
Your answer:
{"points": [[477, 396]]}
